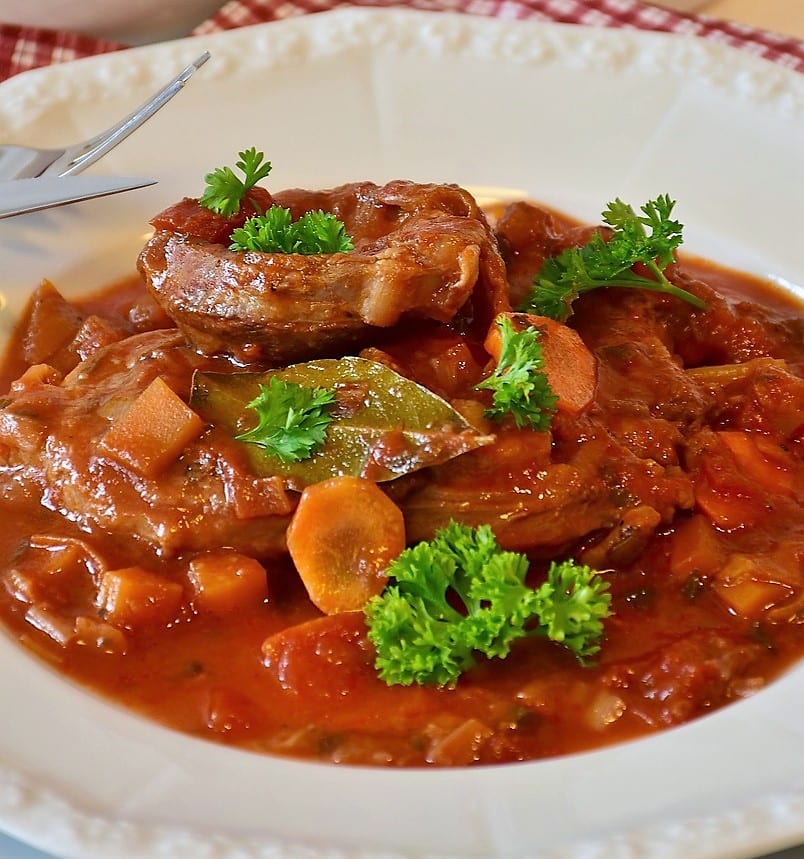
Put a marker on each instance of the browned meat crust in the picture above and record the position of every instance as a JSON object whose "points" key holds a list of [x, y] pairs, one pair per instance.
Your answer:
{"points": [[421, 251], [527, 236], [50, 434]]}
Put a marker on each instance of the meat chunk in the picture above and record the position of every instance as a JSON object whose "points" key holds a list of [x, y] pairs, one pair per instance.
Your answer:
{"points": [[535, 503], [421, 251], [51, 440], [192, 219], [528, 235], [699, 671]]}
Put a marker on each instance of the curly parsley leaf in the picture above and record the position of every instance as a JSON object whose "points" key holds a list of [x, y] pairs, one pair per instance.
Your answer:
{"points": [[321, 233], [574, 603], [271, 233], [519, 385], [649, 239], [225, 191], [460, 594], [292, 420], [276, 232]]}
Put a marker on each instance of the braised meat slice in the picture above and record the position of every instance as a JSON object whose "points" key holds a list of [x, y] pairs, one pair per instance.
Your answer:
{"points": [[421, 251], [535, 505], [52, 434]]}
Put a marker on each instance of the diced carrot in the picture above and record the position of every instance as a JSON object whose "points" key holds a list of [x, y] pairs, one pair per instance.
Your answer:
{"points": [[226, 581], [727, 508], [570, 367], [153, 431], [750, 588], [759, 461], [695, 549], [95, 333], [134, 597], [342, 538]]}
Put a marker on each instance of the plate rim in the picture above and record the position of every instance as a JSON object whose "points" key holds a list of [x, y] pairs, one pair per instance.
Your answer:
{"points": [[777, 87]]}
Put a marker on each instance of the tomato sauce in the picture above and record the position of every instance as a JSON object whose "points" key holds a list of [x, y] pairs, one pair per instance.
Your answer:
{"points": [[696, 429]]}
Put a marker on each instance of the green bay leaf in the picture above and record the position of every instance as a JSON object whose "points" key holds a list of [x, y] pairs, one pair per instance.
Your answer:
{"points": [[385, 425]]}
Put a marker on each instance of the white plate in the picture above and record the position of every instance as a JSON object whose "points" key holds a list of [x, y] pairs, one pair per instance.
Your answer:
{"points": [[567, 115]]}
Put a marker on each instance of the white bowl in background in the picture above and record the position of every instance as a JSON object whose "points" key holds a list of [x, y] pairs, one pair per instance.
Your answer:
{"points": [[132, 22]]}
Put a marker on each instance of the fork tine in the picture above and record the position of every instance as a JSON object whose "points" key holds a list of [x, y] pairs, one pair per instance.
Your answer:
{"points": [[80, 156]]}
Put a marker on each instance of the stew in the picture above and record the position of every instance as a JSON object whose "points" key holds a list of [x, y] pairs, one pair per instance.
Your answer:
{"points": [[150, 554]]}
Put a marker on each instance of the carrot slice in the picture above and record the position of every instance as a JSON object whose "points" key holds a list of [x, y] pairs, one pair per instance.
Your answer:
{"points": [[344, 534], [570, 367]]}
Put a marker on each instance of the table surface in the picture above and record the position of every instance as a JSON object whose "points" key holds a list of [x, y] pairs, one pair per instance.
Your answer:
{"points": [[782, 16]]}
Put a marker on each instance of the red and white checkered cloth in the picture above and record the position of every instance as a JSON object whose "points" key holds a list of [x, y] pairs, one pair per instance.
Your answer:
{"points": [[23, 48]]}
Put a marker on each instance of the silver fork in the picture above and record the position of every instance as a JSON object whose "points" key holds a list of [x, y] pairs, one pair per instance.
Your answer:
{"points": [[26, 162]]}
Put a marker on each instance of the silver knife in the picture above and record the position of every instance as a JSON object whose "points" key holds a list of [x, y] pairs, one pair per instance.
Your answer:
{"points": [[19, 196]]}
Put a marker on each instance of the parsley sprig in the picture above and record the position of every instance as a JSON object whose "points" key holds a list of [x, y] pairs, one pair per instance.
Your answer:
{"points": [[460, 594], [650, 239], [292, 419], [519, 385], [225, 191], [315, 232]]}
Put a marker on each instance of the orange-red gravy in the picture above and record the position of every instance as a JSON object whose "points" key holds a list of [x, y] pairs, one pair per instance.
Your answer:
{"points": [[673, 648]]}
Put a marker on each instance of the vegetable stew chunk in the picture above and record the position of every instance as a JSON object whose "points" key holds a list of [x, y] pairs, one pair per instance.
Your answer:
{"points": [[225, 581], [153, 431], [343, 536], [134, 597]]}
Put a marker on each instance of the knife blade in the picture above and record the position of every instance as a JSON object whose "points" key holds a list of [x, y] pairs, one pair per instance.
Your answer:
{"points": [[19, 196]]}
